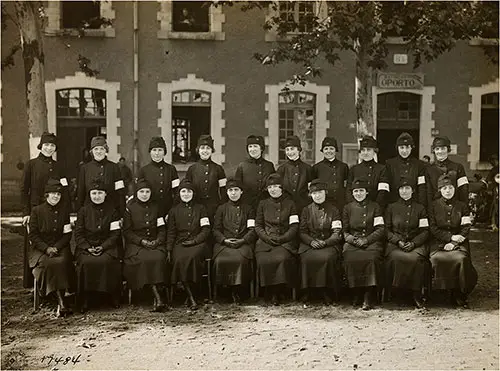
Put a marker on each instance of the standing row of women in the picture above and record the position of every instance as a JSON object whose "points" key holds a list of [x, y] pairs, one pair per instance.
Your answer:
{"points": [[155, 231]]}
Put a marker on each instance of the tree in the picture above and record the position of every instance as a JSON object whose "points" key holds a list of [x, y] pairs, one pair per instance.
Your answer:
{"points": [[362, 27], [29, 17]]}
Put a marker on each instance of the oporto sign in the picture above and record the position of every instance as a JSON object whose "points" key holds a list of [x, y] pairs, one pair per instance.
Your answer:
{"points": [[388, 80]]}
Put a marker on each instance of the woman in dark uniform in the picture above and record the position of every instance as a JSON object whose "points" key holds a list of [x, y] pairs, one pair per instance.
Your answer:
{"points": [[50, 234], [235, 238], [144, 232], [296, 174], [36, 173], [407, 254], [188, 231], [441, 147], [450, 255], [364, 233], [207, 177], [161, 175], [108, 172], [406, 166], [333, 172], [371, 171], [276, 224], [253, 172], [319, 250], [96, 235]]}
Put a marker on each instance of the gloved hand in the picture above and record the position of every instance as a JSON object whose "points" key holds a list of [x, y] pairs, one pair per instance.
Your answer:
{"points": [[188, 243]]}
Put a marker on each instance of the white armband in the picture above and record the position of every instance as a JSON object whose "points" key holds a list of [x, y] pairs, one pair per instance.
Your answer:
{"points": [[64, 182], [175, 183], [423, 222], [222, 182], [382, 186], [293, 219], [160, 222], [204, 222], [462, 181], [421, 180], [119, 185], [465, 220], [114, 225], [378, 220], [336, 224], [67, 228], [250, 223]]}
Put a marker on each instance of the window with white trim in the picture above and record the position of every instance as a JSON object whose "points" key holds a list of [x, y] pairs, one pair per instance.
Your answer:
{"points": [[298, 13], [488, 144], [80, 14], [190, 16], [198, 20], [297, 117], [77, 18]]}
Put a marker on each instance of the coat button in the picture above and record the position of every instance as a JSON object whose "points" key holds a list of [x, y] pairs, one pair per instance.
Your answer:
{"points": [[161, 174], [98, 227], [161, 190]]}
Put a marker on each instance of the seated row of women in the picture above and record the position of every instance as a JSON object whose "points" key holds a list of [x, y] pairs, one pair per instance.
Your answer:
{"points": [[402, 248]]}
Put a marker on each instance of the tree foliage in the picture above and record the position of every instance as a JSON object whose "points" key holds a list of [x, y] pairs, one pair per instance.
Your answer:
{"points": [[428, 29]]}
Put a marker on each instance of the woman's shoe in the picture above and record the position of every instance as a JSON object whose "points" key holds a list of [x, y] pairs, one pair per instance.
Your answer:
{"points": [[367, 301], [274, 300], [461, 300], [327, 300], [417, 300], [236, 298]]}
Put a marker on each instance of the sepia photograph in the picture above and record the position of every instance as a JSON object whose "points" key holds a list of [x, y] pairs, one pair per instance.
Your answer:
{"points": [[249, 185]]}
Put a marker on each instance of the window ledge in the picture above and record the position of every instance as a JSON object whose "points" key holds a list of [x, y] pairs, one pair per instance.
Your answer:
{"points": [[218, 36], [74, 32], [398, 40], [478, 41]]}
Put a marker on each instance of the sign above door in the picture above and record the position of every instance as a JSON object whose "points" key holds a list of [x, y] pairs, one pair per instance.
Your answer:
{"points": [[390, 80]]}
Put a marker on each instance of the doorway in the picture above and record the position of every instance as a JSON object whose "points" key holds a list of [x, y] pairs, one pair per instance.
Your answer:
{"points": [[81, 115], [397, 112], [191, 112]]}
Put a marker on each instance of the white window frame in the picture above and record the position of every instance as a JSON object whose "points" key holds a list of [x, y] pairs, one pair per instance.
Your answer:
{"points": [[217, 107], [80, 80], [320, 9], [215, 16], [474, 124], [54, 14], [321, 125]]}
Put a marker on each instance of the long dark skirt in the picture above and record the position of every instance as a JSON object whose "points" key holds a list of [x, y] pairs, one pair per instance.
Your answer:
{"points": [[453, 270], [56, 273], [147, 267], [277, 266], [363, 267], [320, 268], [233, 266], [406, 270], [188, 263], [98, 273]]}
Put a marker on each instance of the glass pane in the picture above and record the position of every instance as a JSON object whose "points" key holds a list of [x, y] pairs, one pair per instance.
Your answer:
{"points": [[185, 97], [190, 16], [176, 97], [286, 98]]}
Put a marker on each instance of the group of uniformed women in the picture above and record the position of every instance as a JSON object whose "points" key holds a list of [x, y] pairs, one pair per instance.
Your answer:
{"points": [[398, 225]]}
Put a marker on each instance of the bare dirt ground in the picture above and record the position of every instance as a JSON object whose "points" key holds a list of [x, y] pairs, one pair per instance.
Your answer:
{"points": [[254, 336]]}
